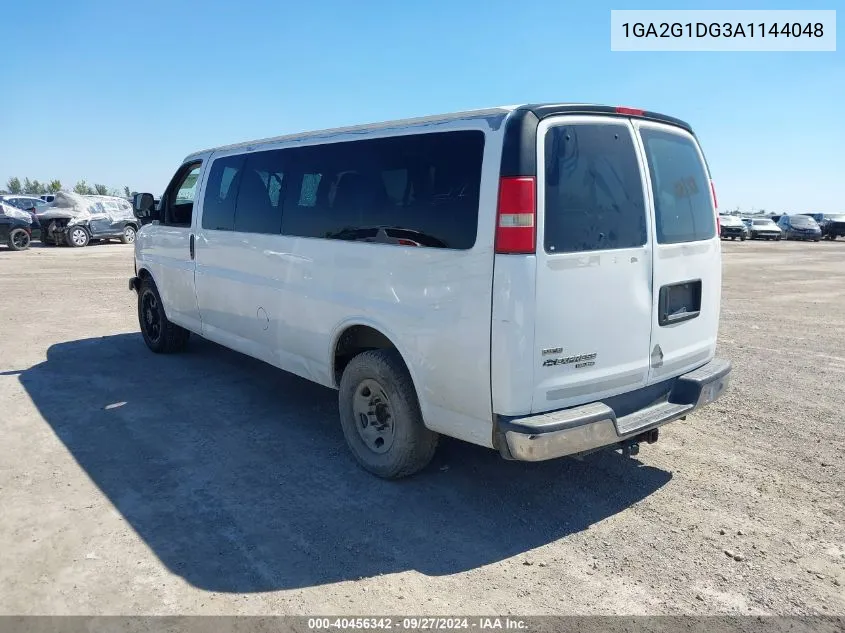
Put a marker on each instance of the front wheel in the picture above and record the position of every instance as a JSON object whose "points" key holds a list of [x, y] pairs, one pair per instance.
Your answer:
{"points": [[128, 236], [160, 335], [380, 416], [19, 239], [77, 237], [742, 239]]}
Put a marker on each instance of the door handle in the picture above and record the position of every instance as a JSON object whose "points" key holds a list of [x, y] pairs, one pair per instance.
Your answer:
{"points": [[192, 245]]}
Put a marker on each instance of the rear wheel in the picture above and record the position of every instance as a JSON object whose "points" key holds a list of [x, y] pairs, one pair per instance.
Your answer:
{"points": [[160, 335], [380, 416], [78, 237], [19, 239], [742, 239], [128, 236]]}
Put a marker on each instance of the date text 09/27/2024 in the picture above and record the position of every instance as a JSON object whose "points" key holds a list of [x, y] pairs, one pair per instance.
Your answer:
{"points": [[724, 29], [417, 623]]}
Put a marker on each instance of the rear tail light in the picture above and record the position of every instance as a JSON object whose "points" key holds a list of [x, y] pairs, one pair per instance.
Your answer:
{"points": [[516, 218]]}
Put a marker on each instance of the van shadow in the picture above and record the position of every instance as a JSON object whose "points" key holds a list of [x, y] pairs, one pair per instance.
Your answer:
{"points": [[238, 478]]}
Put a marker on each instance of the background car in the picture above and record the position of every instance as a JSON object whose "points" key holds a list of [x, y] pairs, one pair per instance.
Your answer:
{"points": [[763, 228], [832, 225], [15, 227], [732, 227], [29, 204], [800, 227], [77, 220]]}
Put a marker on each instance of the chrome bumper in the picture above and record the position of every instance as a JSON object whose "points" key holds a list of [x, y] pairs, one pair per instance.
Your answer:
{"points": [[590, 426]]}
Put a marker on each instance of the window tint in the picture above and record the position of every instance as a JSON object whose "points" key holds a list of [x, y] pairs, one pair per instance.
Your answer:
{"points": [[418, 190], [682, 202], [261, 193], [221, 191], [594, 191]]}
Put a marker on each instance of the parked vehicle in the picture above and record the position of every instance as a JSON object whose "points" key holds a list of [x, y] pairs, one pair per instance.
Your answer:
{"points": [[15, 227], [732, 227], [799, 227], [762, 228], [76, 220], [29, 204], [544, 305], [832, 225]]}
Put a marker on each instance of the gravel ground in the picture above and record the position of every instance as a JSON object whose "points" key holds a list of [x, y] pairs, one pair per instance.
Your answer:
{"points": [[209, 483]]}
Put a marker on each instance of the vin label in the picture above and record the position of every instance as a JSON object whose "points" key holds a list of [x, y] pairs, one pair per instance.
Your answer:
{"points": [[723, 30]]}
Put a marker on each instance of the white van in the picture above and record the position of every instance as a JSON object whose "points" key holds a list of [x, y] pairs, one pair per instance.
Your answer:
{"points": [[543, 280]]}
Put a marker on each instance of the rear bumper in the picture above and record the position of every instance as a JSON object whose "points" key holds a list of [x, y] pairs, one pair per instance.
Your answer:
{"points": [[590, 426]]}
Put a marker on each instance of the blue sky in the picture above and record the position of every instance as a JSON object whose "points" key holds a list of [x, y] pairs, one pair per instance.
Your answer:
{"points": [[118, 92]]}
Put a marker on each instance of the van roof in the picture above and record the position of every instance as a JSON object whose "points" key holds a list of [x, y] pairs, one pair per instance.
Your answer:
{"points": [[540, 110]]}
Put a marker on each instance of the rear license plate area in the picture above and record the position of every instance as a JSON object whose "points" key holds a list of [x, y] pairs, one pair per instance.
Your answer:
{"points": [[679, 302]]}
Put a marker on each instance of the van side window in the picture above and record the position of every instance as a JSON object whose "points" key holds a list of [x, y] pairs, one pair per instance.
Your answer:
{"points": [[180, 197], [415, 190], [261, 193], [682, 203], [218, 205], [308, 190], [593, 191]]}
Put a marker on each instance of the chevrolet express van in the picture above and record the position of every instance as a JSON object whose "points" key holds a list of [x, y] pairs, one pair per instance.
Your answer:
{"points": [[542, 280]]}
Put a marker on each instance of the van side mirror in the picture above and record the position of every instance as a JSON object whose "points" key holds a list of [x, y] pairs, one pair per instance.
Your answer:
{"points": [[144, 207]]}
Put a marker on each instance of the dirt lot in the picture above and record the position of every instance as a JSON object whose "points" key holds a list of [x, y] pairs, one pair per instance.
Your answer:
{"points": [[211, 483]]}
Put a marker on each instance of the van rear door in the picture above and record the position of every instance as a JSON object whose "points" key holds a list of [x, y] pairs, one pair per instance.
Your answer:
{"points": [[594, 262], [687, 251]]}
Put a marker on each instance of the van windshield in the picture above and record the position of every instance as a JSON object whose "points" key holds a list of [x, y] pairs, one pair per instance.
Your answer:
{"points": [[682, 203], [803, 221]]}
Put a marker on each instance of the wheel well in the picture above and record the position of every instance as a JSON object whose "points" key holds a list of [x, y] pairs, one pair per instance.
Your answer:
{"points": [[353, 341], [144, 274]]}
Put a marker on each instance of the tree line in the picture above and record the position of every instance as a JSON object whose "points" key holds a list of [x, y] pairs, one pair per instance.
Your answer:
{"points": [[38, 188]]}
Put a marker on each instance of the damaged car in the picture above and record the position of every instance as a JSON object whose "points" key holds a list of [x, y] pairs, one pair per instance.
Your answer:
{"points": [[77, 220]]}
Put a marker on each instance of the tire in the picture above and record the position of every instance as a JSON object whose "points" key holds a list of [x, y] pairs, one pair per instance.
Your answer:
{"points": [[733, 238], [77, 237], [742, 239], [19, 239], [128, 236], [160, 335], [374, 379]]}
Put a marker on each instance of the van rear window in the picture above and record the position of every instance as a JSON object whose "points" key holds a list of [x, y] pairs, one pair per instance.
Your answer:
{"points": [[593, 189], [682, 200]]}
